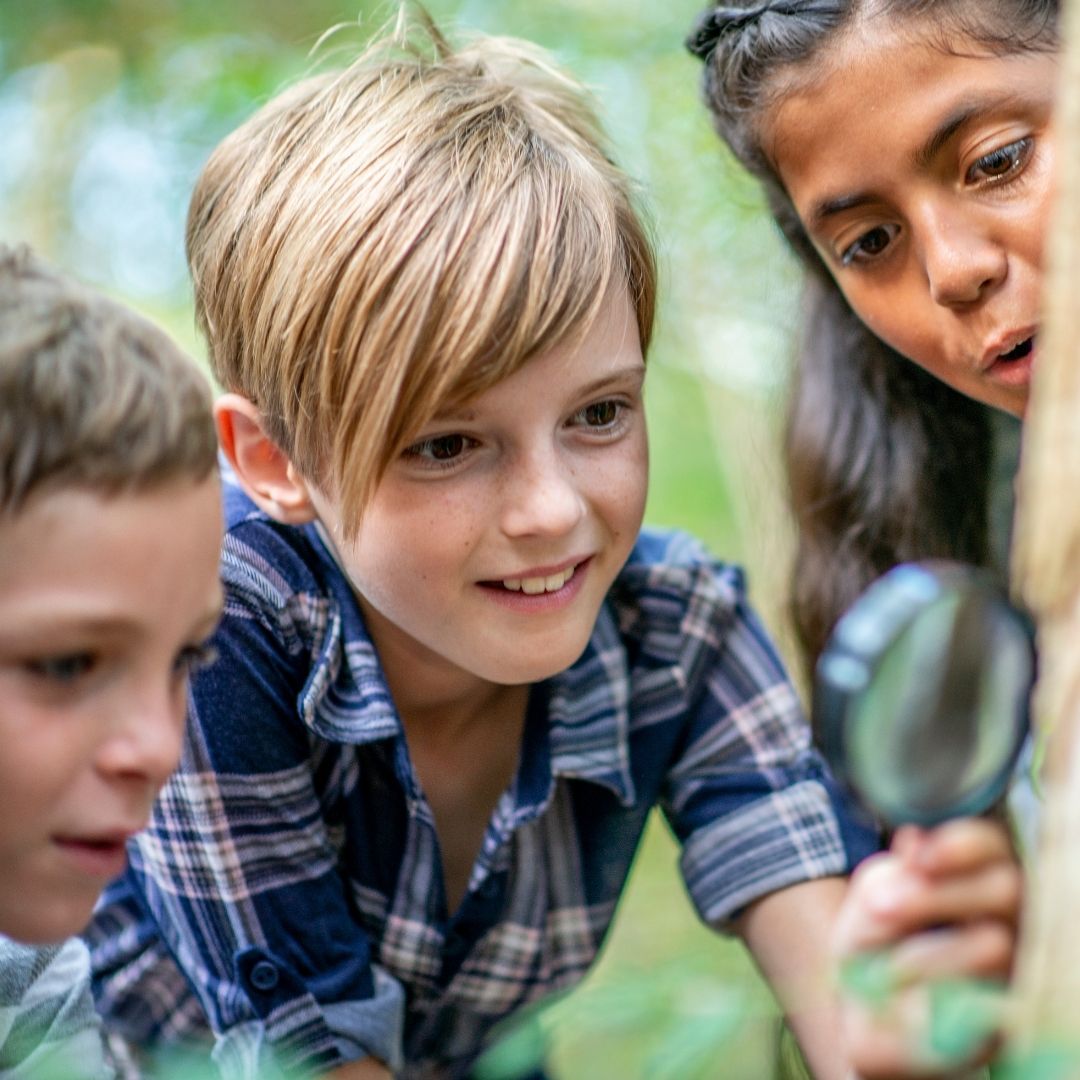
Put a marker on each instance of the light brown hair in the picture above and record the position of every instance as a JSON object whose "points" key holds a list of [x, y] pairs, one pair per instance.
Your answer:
{"points": [[91, 394], [380, 242]]}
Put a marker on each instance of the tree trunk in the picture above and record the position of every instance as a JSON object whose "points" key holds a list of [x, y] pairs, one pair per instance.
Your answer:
{"points": [[1046, 566]]}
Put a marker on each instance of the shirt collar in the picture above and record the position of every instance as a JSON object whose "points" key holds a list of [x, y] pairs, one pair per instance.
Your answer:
{"points": [[346, 698], [589, 713]]}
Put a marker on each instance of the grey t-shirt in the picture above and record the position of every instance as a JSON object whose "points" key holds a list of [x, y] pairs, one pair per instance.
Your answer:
{"points": [[48, 1027]]}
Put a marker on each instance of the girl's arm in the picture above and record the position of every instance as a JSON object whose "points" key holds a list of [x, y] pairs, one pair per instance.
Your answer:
{"points": [[788, 933]]}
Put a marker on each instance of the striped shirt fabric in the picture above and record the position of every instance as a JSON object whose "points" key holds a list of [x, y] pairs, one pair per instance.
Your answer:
{"points": [[48, 1027], [289, 888]]}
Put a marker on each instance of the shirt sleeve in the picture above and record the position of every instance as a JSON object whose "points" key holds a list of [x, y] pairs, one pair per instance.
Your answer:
{"points": [[48, 1026], [750, 799], [240, 866]]}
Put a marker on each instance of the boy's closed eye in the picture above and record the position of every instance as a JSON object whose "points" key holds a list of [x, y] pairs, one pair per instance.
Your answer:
{"points": [[194, 658], [63, 668]]}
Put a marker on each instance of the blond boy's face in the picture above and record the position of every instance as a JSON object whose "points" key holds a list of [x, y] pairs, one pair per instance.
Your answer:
{"points": [[105, 602], [490, 544]]}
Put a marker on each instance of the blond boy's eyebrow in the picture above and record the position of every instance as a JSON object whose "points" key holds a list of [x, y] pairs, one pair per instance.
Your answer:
{"points": [[632, 371]]}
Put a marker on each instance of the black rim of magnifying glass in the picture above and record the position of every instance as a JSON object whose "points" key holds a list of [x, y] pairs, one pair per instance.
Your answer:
{"points": [[858, 644]]}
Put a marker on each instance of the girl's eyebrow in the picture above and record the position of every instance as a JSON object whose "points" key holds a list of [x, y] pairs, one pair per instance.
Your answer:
{"points": [[955, 121], [962, 114]]}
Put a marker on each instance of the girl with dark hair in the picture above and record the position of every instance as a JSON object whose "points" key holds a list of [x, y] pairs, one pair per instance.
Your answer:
{"points": [[903, 146], [906, 151]]}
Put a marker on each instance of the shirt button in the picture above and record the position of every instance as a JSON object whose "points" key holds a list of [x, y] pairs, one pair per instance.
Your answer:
{"points": [[264, 976]]}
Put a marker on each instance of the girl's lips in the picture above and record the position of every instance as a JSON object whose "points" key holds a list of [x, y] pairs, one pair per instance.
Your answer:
{"points": [[98, 858], [1014, 373]]}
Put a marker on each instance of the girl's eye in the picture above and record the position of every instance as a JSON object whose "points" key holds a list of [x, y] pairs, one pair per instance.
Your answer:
{"points": [[870, 245], [443, 449], [62, 670], [999, 164], [194, 658], [601, 414]]}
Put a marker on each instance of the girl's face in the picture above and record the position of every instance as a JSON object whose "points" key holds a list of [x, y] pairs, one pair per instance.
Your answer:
{"points": [[923, 178]]}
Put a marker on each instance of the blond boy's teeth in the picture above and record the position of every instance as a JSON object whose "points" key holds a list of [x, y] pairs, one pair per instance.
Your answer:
{"points": [[533, 586]]}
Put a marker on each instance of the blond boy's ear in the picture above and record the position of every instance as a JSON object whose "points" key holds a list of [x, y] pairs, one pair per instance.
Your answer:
{"points": [[264, 472]]}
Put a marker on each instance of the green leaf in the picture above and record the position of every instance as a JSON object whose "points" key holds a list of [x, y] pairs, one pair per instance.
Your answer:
{"points": [[964, 1014], [521, 1052], [1047, 1062], [869, 977]]}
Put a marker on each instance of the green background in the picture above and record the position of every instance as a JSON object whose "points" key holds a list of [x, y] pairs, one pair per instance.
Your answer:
{"points": [[108, 109]]}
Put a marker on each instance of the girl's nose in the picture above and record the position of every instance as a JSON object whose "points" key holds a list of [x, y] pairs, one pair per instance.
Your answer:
{"points": [[962, 264], [542, 497]]}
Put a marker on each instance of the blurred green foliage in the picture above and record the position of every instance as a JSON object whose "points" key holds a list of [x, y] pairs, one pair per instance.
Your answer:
{"points": [[109, 108]]}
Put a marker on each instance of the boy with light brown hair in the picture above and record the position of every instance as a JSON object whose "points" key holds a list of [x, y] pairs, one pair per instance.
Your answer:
{"points": [[455, 676], [110, 528]]}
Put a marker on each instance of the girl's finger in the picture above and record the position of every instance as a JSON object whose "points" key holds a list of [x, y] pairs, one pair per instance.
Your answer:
{"points": [[917, 903], [959, 847], [888, 900], [982, 950]]}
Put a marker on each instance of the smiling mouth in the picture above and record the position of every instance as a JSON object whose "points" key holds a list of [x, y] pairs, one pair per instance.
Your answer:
{"points": [[535, 586]]}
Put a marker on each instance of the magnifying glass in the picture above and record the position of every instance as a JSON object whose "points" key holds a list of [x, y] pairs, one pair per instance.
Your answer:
{"points": [[921, 695]]}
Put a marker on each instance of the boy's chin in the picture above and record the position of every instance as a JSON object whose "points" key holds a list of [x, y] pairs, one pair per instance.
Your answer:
{"points": [[45, 919], [535, 667]]}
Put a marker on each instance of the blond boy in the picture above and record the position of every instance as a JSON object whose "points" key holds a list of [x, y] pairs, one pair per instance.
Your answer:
{"points": [[454, 679], [109, 535]]}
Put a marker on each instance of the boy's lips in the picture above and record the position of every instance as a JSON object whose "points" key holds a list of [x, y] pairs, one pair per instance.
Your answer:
{"points": [[102, 856], [540, 588], [538, 579]]}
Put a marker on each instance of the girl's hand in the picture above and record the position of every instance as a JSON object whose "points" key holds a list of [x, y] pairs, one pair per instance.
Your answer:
{"points": [[941, 904]]}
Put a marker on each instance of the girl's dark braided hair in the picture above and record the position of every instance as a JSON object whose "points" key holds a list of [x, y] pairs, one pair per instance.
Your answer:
{"points": [[884, 462]]}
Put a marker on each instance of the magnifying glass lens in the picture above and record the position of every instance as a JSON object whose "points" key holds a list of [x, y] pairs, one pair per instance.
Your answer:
{"points": [[935, 727]]}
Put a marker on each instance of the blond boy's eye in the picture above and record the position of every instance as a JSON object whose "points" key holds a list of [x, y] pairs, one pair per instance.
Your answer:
{"points": [[601, 414], [442, 448]]}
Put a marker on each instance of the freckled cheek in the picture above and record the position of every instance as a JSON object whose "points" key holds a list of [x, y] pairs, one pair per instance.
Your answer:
{"points": [[620, 489]]}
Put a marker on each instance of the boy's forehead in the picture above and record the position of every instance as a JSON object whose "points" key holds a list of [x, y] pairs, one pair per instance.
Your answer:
{"points": [[86, 559]]}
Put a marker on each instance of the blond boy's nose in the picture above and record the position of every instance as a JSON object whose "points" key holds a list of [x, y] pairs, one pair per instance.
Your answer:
{"points": [[544, 499]]}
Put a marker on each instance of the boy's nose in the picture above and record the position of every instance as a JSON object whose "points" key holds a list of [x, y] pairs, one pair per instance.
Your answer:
{"points": [[542, 498], [145, 744], [962, 264]]}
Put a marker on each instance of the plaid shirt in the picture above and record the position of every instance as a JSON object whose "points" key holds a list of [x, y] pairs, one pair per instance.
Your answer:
{"points": [[291, 869]]}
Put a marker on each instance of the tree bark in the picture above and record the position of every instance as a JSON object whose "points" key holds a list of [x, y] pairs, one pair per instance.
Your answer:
{"points": [[1046, 571]]}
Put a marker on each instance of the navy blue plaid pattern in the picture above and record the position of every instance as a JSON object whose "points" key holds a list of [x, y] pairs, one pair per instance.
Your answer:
{"points": [[289, 891]]}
